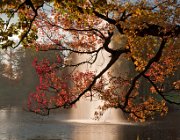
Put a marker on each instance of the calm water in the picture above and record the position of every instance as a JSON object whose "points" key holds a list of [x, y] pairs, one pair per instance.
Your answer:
{"points": [[20, 125]]}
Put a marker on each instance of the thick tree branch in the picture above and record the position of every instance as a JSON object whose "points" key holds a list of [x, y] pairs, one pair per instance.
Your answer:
{"points": [[105, 18], [156, 30], [30, 4], [156, 58], [114, 58]]}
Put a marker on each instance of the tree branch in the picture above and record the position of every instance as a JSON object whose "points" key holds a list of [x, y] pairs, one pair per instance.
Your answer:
{"points": [[30, 24], [62, 48], [156, 58], [8, 21], [78, 30], [159, 92], [156, 30], [114, 58]]}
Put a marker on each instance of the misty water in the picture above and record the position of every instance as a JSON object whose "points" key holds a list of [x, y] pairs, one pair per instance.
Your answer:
{"points": [[18, 124]]}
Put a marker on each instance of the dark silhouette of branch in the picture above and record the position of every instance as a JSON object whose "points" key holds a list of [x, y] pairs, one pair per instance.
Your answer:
{"points": [[156, 30], [13, 12], [90, 61], [27, 2], [113, 59], [30, 25], [159, 91], [152, 29], [30, 4], [156, 58], [62, 48], [78, 30]]}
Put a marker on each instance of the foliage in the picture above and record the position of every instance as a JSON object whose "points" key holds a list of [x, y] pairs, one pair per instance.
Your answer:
{"points": [[146, 34]]}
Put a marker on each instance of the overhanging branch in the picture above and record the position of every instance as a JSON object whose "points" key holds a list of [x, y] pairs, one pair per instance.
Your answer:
{"points": [[156, 58], [159, 91], [113, 59]]}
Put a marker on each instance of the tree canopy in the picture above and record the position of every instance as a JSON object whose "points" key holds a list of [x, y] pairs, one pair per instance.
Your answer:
{"points": [[143, 33]]}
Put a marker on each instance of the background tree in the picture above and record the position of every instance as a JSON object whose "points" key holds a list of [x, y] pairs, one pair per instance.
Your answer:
{"points": [[148, 32]]}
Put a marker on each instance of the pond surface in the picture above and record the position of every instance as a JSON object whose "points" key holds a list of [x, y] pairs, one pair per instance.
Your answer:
{"points": [[17, 124]]}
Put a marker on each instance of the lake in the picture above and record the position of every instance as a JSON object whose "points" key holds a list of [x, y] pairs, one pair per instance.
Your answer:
{"points": [[17, 124]]}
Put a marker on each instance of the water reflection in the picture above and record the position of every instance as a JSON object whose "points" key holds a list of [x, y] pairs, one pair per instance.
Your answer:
{"points": [[19, 125], [98, 132]]}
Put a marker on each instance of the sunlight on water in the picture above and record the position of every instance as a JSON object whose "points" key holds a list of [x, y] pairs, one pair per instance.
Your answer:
{"points": [[19, 125], [98, 122]]}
